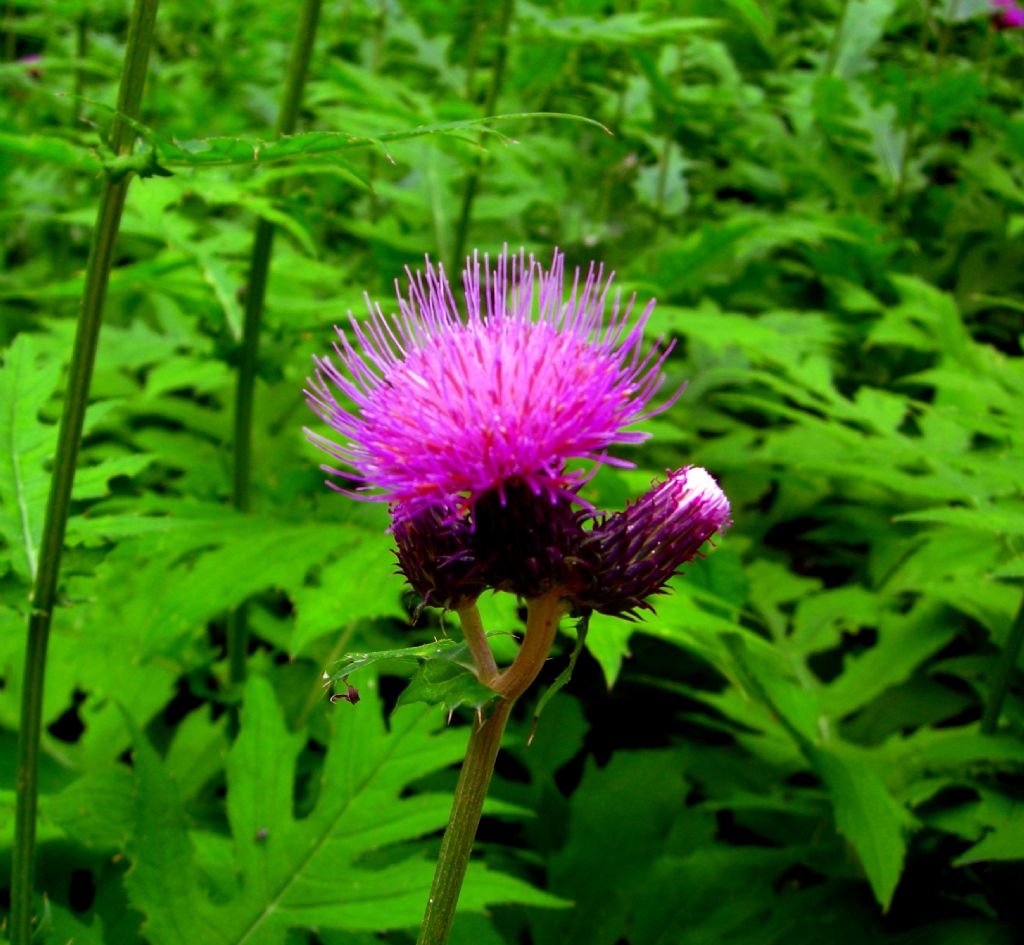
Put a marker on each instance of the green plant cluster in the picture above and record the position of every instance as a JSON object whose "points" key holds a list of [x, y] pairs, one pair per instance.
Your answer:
{"points": [[817, 736]]}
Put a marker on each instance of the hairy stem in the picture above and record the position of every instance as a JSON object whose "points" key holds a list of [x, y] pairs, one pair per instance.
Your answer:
{"points": [[255, 294], [467, 807], [58, 506], [1002, 673], [543, 614], [490, 106], [476, 638]]}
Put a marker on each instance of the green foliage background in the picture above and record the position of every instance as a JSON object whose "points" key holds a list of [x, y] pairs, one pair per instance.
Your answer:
{"points": [[827, 200]]}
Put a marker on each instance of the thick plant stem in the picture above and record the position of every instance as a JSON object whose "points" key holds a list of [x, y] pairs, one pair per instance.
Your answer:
{"points": [[97, 275], [10, 37], [543, 615], [474, 779], [490, 107], [255, 294], [1006, 663]]}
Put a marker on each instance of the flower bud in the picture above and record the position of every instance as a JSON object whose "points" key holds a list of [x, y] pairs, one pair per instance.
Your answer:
{"points": [[635, 552]]}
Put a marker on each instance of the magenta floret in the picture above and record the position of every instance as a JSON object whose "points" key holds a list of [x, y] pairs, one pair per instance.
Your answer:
{"points": [[1010, 15], [437, 406]]}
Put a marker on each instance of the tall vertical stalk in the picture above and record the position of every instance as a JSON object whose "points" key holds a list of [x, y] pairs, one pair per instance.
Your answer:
{"points": [[380, 28], [81, 51], [490, 107], [543, 614], [97, 275], [255, 294], [11, 36]]}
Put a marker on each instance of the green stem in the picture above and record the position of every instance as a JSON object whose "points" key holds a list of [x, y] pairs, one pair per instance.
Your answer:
{"points": [[255, 294], [376, 56], [1002, 673], [478, 21], [11, 36], [666, 156], [490, 106], [476, 639], [467, 807], [913, 116], [58, 506], [81, 50], [543, 614]]}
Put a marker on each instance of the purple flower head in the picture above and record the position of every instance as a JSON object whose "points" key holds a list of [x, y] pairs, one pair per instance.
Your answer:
{"points": [[439, 406], [635, 552], [523, 544], [32, 68], [1010, 15], [529, 546], [436, 556]]}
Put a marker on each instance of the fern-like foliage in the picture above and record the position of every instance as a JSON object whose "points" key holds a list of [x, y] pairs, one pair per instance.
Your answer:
{"points": [[354, 862]]}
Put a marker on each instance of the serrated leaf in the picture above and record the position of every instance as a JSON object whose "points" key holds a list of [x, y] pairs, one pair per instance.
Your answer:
{"points": [[360, 582], [582, 625], [444, 674], [53, 150], [874, 822], [447, 683], [220, 152], [27, 381], [616, 30], [316, 871], [163, 874], [184, 576]]}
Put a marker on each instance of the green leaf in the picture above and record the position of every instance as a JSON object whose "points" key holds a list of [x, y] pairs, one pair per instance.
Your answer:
{"points": [[361, 582], [54, 150], [320, 870], [219, 152], [445, 674], [96, 809], [27, 381], [995, 520], [163, 874], [445, 682], [566, 674], [609, 644], [612, 841], [203, 559], [861, 27], [1001, 826], [904, 642], [866, 814], [615, 30]]}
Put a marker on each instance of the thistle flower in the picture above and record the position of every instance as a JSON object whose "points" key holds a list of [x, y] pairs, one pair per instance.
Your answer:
{"points": [[436, 556], [1010, 15], [529, 546], [521, 544], [635, 552], [438, 407]]}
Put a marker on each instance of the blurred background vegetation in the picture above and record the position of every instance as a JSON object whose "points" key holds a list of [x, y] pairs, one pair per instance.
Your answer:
{"points": [[810, 738]]}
